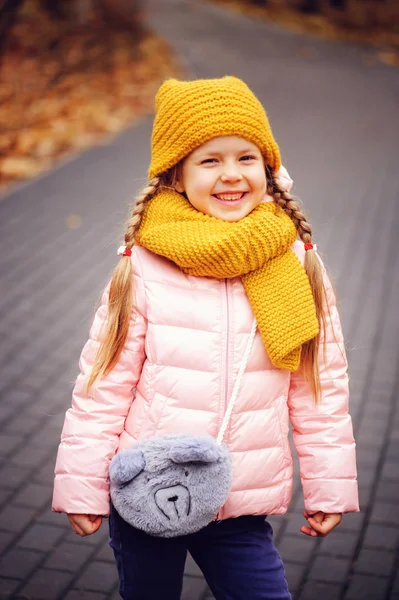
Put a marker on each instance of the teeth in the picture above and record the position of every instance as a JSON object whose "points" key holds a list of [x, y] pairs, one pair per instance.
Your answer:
{"points": [[230, 196]]}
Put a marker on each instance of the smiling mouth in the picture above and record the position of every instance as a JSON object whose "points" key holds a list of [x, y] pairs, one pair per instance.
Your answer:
{"points": [[230, 198]]}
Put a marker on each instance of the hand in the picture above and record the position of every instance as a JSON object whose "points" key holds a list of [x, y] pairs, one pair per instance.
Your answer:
{"points": [[85, 524], [321, 523]]}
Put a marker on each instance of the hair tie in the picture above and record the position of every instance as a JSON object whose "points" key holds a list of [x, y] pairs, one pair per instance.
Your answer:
{"points": [[309, 246], [123, 251]]}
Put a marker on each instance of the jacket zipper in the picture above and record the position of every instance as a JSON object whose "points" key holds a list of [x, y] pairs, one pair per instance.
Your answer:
{"points": [[226, 366]]}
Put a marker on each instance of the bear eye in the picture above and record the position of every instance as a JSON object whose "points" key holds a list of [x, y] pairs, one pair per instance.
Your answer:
{"points": [[186, 473]]}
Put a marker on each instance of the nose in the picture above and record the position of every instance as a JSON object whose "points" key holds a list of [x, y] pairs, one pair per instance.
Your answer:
{"points": [[173, 498], [231, 174]]}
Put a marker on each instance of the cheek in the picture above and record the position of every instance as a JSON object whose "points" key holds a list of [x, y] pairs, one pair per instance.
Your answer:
{"points": [[200, 187], [259, 182]]}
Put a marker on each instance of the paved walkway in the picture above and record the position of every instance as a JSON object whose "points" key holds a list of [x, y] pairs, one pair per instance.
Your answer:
{"points": [[334, 113]]}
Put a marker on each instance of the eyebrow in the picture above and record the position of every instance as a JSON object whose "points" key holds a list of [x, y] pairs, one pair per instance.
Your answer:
{"points": [[215, 153]]}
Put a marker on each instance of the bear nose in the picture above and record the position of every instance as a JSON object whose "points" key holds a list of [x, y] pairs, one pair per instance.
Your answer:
{"points": [[173, 498]]}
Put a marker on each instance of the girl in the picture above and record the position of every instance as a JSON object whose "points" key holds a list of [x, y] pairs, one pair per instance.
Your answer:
{"points": [[211, 243]]}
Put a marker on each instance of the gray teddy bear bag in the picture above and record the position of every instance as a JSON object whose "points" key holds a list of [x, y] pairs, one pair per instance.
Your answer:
{"points": [[175, 484]]}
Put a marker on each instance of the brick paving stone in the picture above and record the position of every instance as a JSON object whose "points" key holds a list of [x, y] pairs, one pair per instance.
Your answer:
{"points": [[352, 522], [84, 595], [46, 471], [31, 459], [329, 569], [393, 450], [8, 443], [388, 490], [314, 590], [296, 549], [365, 587], [364, 496], [375, 562], [366, 457], [6, 538], [19, 563], [18, 425], [46, 584], [105, 553], [33, 495], [294, 523], [68, 557], [366, 476], [6, 411], [191, 567], [193, 588], [385, 512], [11, 476], [5, 495], [381, 536], [277, 522], [15, 519], [293, 574], [40, 536], [395, 588], [339, 543], [390, 470], [53, 518], [98, 576], [8, 586], [101, 536]]}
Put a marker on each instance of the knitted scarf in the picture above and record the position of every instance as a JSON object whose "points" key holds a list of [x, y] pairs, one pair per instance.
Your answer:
{"points": [[257, 248]]}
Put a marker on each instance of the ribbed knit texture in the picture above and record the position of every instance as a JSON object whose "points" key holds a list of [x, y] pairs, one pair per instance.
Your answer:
{"points": [[257, 248], [190, 113]]}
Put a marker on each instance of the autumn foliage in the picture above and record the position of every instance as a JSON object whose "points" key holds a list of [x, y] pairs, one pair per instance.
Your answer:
{"points": [[374, 22], [69, 79]]}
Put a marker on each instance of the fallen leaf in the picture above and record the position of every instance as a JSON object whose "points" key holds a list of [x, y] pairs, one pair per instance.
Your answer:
{"points": [[73, 222], [20, 168]]}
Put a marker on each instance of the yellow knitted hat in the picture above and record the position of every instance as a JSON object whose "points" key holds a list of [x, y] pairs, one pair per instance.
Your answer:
{"points": [[190, 113]]}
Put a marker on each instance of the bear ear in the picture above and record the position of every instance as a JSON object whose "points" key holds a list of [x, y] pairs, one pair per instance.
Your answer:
{"points": [[195, 449], [126, 465]]}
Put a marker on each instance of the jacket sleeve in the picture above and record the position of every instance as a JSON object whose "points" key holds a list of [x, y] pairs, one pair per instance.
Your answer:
{"points": [[323, 433], [95, 421]]}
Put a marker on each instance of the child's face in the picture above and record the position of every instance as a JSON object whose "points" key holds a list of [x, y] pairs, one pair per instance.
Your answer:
{"points": [[224, 178]]}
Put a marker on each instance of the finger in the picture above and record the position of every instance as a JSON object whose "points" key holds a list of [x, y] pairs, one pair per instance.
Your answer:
{"points": [[318, 516], [96, 525], [309, 531], [81, 524], [93, 517], [322, 528], [78, 530]]}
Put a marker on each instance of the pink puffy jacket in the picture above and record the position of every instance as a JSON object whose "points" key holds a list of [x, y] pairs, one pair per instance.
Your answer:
{"points": [[176, 373]]}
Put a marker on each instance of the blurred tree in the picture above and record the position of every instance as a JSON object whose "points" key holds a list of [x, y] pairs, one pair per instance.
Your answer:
{"points": [[315, 6], [120, 14], [8, 15]]}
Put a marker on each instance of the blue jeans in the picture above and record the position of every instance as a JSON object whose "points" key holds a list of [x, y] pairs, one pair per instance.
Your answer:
{"points": [[237, 557]]}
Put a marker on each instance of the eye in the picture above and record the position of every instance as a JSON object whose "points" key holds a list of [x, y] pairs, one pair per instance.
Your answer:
{"points": [[248, 157], [186, 473], [208, 160]]}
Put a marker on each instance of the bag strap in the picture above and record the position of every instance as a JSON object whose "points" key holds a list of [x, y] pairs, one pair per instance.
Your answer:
{"points": [[237, 384]]}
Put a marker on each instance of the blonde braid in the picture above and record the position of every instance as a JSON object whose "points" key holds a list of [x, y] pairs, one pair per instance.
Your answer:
{"points": [[314, 271], [120, 298], [291, 206], [133, 224]]}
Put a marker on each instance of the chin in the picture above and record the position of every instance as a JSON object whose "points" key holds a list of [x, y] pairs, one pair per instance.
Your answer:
{"points": [[231, 216]]}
